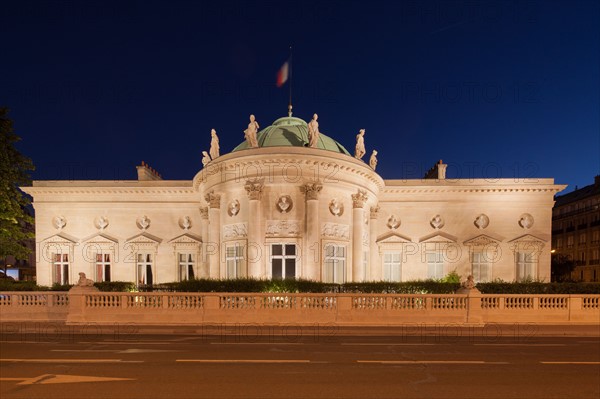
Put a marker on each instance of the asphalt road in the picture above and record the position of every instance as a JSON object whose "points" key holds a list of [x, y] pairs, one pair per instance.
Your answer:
{"points": [[298, 364]]}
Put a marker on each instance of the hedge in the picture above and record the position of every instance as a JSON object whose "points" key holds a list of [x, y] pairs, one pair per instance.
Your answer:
{"points": [[308, 286]]}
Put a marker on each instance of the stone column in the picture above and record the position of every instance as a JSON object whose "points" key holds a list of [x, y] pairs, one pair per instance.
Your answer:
{"points": [[255, 251], [204, 269], [374, 258], [358, 223], [214, 234], [312, 246]]}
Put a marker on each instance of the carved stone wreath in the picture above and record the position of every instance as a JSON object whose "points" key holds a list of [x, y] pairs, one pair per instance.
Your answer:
{"points": [[59, 222], [437, 222], [101, 222], [233, 208], [336, 208], [393, 222], [482, 221], [185, 223], [526, 221], [143, 223]]}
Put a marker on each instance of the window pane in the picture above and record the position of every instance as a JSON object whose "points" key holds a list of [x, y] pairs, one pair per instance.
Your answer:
{"points": [[140, 257], [107, 273], [290, 249], [329, 251], [276, 269], [190, 272], [277, 250], [65, 257], [290, 268]]}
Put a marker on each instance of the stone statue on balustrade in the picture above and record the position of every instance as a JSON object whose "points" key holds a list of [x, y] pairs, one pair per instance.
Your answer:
{"points": [[251, 134], [313, 132], [359, 150], [214, 144]]}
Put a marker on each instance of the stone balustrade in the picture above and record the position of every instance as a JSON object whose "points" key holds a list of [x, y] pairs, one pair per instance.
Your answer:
{"points": [[77, 307]]}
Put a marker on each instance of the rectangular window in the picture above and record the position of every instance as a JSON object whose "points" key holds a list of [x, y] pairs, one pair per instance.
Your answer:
{"points": [[61, 269], [480, 267], [435, 265], [234, 261], [335, 263], [526, 265], [102, 267], [283, 261], [144, 269], [595, 236], [582, 238], [570, 242], [392, 266], [186, 263], [559, 243]]}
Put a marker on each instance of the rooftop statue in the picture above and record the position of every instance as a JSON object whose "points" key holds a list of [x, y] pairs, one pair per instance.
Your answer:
{"points": [[313, 132], [373, 160], [205, 158], [214, 144], [251, 133], [359, 150]]}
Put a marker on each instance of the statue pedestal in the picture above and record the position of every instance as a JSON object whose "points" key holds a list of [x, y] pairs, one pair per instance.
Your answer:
{"points": [[77, 303]]}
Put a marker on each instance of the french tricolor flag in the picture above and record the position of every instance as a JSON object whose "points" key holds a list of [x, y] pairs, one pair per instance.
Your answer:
{"points": [[282, 75]]}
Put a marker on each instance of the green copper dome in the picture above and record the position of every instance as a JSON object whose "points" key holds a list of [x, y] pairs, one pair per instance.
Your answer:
{"points": [[290, 131]]}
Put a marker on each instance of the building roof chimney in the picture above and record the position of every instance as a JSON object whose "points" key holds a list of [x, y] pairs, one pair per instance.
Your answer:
{"points": [[147, 173]]}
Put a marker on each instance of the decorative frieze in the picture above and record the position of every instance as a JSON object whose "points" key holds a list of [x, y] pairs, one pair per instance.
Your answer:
{"points": [[335, 230], [235, 230], [283, 228]]}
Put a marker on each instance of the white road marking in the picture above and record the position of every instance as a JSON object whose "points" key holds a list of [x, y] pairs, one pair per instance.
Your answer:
{"points": [[429, 362], [569, 362], [62, 379], [69, 361], [240, 361], [521, 345], [391, 344], [84, 350], [257, 343]]}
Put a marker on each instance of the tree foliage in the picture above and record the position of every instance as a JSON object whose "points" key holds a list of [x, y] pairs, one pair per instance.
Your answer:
{"points": [[561, 267], [14, 168]]}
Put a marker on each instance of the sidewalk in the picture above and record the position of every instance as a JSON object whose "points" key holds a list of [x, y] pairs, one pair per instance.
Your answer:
{"points": [[255, 331]]}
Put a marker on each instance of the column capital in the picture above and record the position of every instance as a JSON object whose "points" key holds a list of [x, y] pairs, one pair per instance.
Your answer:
{"points": [[359, 199], [254, 188], [204, 212], [311, 190], [374, 213], [214, 200]]}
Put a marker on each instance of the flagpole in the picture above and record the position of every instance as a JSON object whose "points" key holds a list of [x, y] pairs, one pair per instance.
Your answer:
{"points": [[290, 103]]}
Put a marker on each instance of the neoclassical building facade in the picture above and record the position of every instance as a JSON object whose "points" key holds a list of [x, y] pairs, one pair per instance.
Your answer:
{"points": [[276, 207]]}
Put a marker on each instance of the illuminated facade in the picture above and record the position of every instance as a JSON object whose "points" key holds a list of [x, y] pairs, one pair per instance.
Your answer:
{"points": [[287, 210]]}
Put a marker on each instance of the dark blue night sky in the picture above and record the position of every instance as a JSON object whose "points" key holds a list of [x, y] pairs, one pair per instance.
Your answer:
{"points": [[495, 89]]}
